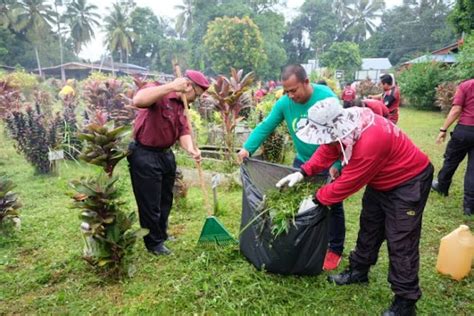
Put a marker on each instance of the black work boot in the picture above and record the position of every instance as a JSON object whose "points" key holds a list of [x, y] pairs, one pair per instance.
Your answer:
{"points": [[160, 250], [349, 276], [438, 188], [401, 307]]}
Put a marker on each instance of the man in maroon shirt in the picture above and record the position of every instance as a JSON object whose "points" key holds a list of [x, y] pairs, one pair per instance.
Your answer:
{"points": [[348, 95], [397, 176], [460, 144], [159, 124], [390, 97]]}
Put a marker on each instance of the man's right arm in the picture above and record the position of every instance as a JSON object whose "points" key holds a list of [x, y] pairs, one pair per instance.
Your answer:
{"points": [[453, 115], [265, 128], [150, 95]]}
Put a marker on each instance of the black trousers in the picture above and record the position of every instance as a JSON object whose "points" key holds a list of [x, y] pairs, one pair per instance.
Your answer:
{"points": [[153, 173], [396, 216], [460, 145]]}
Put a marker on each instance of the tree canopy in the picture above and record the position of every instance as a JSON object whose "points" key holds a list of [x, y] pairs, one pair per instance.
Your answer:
{"points": [[31, 30], [234, 42]]}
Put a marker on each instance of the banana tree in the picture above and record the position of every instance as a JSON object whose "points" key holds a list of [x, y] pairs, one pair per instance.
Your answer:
{"points": [[229, 97]]}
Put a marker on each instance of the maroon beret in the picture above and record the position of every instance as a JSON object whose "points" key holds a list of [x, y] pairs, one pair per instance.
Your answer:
{"points": [[198, 78]]}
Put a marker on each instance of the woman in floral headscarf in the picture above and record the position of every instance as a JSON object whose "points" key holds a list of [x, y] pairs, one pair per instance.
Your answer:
{"points": [[398, 176]]}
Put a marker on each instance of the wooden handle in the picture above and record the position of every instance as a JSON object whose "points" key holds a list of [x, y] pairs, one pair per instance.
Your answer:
{"points": [[184, 99]]}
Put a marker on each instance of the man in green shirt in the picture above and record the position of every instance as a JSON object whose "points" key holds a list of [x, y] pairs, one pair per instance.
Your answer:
{"points": [[293, 107]]}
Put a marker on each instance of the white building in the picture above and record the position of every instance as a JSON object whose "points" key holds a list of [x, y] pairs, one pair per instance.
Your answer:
{"points": [[373, 68]]}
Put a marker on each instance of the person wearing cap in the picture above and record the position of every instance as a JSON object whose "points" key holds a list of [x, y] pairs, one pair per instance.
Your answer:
{"points": [[292, 108], [397, 176], [159, 124]]}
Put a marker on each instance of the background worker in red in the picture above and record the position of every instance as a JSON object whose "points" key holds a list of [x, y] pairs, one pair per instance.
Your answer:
{"points": [[397, 176], [348, 95], [159, 124], [460, 144], [390, 97], [376, 106]]}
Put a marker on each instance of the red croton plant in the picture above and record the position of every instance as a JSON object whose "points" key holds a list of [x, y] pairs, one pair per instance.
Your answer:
{"points": [[110, 97], [229, 97], [10, 98]]}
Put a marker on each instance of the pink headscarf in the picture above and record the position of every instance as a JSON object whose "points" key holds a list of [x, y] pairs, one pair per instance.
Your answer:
{"points": [[347, 143]]}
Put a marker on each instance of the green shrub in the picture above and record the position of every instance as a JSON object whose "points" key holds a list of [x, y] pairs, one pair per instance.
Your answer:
{"points": [[21, 80], [274, 146], [418, 83], [465, 60]]}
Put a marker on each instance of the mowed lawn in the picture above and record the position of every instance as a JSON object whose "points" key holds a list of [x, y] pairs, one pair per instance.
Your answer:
{"points": [[41, 270]]}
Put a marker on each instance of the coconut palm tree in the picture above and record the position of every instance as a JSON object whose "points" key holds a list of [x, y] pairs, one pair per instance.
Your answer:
{"points": [[363, 14], [34, 17], [342, 8], [184, 21], [6, 9], [118, 35], [81, 18]]}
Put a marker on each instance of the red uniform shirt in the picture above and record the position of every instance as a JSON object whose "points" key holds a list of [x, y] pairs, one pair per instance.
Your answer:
{"points": [[464, 97], [391, 99], [348, 94], [161, 124], [383, 158], [377, 107]]}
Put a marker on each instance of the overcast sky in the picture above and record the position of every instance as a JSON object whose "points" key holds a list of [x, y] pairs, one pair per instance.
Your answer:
{"points": [[95, 49]]}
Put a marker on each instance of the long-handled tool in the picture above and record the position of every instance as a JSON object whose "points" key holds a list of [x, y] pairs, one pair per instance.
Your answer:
{"points": [[213, 230]]}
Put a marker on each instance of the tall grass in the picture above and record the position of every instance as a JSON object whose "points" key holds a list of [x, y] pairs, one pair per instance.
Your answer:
{"points": [[41, 270]]}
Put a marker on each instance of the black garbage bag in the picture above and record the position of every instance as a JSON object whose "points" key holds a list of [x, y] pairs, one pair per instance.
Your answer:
{"points": [[302, 250]]}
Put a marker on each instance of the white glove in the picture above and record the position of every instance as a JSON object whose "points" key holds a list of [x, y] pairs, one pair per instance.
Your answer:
{"points": [[291, 179]]}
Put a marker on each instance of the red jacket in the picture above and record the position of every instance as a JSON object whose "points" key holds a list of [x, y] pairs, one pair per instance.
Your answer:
{"points": [[383, 158], [377, 107]]}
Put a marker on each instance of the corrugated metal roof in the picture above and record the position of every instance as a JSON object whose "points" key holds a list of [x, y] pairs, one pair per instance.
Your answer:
{"points": [[376, 64], [79, 65], [447, 58]]}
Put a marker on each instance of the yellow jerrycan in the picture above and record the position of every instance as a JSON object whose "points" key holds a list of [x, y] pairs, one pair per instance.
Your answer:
{"points": [[456, 253]]}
